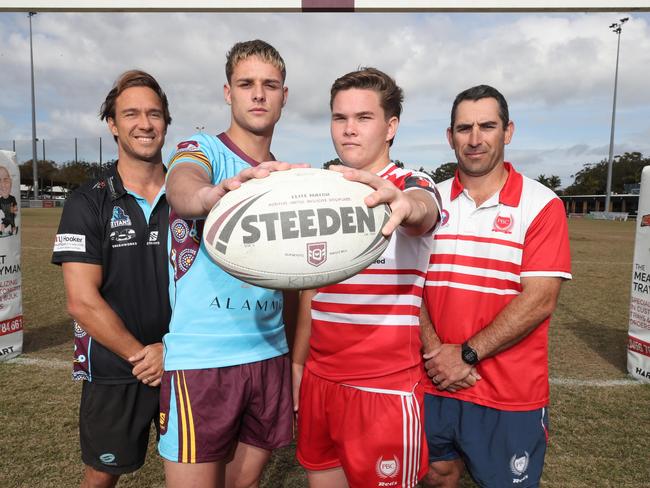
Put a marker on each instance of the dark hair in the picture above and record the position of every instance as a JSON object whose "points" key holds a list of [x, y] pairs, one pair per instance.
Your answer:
{"points": [[477, 93], [257, 47], [129, 79], [391, 96]]}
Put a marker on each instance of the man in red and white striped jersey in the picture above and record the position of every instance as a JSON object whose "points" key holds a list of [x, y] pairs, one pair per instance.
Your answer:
{"points": [[494, 277], [360, 408]]}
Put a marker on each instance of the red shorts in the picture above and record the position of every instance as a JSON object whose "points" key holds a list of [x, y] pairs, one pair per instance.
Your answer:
{"points": [[376, 436], [205, 412]]}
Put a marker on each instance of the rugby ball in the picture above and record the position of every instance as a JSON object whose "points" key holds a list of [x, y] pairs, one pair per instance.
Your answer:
{"points": [[296, 229]]}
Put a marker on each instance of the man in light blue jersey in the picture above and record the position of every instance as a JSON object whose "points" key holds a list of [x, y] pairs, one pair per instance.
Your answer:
{"points": [[226, 390]]}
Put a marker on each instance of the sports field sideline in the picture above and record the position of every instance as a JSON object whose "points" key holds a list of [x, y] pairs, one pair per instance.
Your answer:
{"points": [[600, 419]]}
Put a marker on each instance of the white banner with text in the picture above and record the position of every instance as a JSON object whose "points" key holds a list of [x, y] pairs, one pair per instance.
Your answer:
{"points": [[11, 300], [638, 344]]}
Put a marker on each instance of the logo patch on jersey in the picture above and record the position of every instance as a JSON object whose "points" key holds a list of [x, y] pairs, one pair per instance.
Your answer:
{"points": [[185, 259], [124, 235], [519, 464], [180, 230], [316, 253], [387, 468], [188, 146], [119, 218], [70, 242], [444, 217], [503, 223], [153, 237]]}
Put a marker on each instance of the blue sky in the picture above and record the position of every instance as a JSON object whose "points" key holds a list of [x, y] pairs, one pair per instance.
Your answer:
{"points": [[556, 70]]}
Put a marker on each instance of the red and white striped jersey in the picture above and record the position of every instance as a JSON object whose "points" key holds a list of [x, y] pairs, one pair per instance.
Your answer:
{"points": [[479, 257], [365, 330]]}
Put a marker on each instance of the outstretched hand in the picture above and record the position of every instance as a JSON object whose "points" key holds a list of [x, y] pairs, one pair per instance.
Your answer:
{"points": [[405, 210], [210, 195]]}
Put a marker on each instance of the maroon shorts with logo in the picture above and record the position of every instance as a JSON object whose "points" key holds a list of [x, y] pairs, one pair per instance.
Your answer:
{"points": [[205, 412]]}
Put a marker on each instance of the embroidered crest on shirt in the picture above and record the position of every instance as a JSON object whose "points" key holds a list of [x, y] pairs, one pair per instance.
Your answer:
{"points": [[119, 218], [503, 223]]}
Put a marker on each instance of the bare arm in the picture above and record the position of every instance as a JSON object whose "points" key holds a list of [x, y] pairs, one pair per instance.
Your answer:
{"points": [[428, 336], [191, 193], [85, 304], [414, 210], [301, 342], [519, 318]]}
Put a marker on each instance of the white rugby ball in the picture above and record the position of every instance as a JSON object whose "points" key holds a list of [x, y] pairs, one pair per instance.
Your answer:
{"points": [[297, 229]]}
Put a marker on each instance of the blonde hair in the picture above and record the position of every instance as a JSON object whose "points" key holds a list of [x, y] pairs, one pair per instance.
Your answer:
{"points": [[257, 47]]}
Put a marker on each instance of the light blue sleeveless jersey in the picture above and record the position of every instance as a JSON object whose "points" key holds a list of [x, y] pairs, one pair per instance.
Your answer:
{"points": [[217, 320]]}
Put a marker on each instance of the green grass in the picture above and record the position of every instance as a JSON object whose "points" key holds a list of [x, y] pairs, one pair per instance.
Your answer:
{"points": [[599, 435]]}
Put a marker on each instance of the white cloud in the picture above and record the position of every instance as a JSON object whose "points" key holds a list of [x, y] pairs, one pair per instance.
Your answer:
{"points": [[555, 69]]}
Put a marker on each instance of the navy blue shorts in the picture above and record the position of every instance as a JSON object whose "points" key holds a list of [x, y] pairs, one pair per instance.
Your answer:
{"points": [[500, 448]]}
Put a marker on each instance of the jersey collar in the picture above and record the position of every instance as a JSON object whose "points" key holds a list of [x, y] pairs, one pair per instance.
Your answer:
{"points": [[228, 142], [509, 195], [114, 182]]}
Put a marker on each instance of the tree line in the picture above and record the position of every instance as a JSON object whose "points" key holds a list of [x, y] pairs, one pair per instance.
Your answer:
{"points": [[69, 175], [590, 180]]}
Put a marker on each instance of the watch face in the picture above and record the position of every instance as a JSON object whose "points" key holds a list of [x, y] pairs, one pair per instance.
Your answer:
{"points": [[469, 355]]}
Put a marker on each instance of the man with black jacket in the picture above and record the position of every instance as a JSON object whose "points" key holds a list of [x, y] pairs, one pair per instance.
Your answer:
{"points": [[112, 244]]}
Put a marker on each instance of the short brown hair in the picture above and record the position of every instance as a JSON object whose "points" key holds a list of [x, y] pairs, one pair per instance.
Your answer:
{"points": [[257, 47], [391, 96], [129, 79]]}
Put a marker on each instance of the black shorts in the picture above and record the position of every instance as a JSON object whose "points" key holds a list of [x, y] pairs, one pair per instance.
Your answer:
{"points": [[114, 424]]}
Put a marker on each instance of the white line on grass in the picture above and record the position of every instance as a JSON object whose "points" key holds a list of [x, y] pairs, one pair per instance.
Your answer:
{"points": [[597, 383], [59, 364], [45, 363]]}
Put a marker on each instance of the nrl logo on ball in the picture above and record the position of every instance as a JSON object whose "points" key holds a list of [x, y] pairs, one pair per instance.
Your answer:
{"points": [[316, 253]]}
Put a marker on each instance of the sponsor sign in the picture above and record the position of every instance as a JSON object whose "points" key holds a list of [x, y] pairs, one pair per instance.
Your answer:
{"points": [[11, 307], [638, 345]]}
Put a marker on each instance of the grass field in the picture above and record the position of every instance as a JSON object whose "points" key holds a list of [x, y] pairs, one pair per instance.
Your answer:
{"points": [[600, 429]]}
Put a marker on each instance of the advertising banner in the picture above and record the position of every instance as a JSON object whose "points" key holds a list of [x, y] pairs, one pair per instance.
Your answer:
{"points": [[11, 300], [638, 344]]}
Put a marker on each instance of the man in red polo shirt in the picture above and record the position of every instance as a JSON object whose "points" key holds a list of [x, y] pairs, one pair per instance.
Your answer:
{"points": [[494, 278]]}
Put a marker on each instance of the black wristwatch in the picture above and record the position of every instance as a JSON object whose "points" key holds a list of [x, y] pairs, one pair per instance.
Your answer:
{"points": [[469, 354]]}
